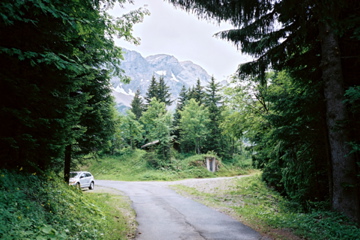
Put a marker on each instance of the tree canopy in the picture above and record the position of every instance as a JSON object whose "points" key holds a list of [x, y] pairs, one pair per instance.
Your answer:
{"points": [[56, 58]]}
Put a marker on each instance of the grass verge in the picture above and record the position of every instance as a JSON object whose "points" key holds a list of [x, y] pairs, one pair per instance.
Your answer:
{"points": [[117, 208], [250, 201], [44, 207]]}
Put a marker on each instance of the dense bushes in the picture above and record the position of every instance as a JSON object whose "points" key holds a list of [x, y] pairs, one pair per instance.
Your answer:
{"points": [[38, 207]]}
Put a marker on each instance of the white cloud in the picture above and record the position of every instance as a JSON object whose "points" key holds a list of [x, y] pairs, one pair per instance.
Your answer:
{"points": [[169, 30]]}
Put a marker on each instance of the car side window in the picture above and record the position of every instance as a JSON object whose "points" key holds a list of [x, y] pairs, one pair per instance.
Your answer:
{"points": [[88, 175]]}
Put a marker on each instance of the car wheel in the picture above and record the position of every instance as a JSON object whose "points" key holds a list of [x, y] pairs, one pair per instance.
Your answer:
{"points": [[92, 185], [78, 186]]}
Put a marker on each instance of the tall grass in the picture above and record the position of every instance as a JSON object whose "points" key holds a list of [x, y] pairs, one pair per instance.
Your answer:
{"points": [[43, 207]]}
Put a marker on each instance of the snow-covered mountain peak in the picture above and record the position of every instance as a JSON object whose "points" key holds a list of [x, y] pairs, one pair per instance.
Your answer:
{"points": [[140, 70]]}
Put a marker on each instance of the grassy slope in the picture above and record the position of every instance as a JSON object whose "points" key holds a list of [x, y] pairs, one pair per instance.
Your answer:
{"points": [[133, 166], [34, 207]]}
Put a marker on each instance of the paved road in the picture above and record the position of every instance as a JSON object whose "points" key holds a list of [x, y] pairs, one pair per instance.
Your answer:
{"points": [[162, 214]]}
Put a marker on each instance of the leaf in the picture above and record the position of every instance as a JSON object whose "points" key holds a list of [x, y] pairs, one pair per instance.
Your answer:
{"points": [[46, 229]]}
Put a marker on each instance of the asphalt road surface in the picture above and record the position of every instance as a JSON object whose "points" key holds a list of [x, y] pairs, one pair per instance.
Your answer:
{"points": [[162, 214]]}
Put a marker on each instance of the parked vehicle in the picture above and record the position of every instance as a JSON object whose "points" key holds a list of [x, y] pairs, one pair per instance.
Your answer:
{"points": [[82, 180]]}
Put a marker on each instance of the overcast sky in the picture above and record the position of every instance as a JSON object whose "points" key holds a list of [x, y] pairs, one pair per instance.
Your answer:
{"points": [[172, 31]]}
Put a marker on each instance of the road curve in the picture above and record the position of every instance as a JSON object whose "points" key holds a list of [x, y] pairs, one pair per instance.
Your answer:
{"points": [[162, 214]]}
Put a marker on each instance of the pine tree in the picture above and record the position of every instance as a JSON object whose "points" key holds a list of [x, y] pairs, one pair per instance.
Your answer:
{"points": [[213, 102], [198, 93], [152, 91], [179, 107], [137, 105], [163, 92]]}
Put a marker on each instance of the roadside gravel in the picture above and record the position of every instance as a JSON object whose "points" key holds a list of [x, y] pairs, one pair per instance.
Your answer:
{"points": [[210, 185]]}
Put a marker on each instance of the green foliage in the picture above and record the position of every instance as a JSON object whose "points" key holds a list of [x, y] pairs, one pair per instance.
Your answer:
{"points": [[137, 105], [283, 120], [193, 124], [120, 217], [157, 122], [131, 131], [36, 207], [158, 90], [213, 101], [54, 55]]}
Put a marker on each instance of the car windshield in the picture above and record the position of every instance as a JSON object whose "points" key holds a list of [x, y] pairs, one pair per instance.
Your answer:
{"points": [[73, 174]]}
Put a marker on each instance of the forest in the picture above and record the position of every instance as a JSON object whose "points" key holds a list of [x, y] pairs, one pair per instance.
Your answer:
{"points": [[295, 108]]}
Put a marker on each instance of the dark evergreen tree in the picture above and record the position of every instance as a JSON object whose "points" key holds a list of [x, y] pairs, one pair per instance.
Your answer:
{"points": [[163, 94], [179, 107], [152, 91], [214, 104], [198, 92], [54, 94], [191, 94], [137, 105]]}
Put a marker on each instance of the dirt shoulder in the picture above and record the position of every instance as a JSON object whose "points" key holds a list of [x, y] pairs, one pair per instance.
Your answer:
{"points": [[219, 188]]}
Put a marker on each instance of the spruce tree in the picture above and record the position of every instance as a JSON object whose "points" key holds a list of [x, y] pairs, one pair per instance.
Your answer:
{"points": [[213, 102], [179, 107], [163, 94], [152, 91], [137, 105], [198, 92]]}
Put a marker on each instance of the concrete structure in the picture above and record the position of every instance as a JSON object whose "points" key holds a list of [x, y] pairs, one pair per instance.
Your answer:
{"points": [[212, 164]]}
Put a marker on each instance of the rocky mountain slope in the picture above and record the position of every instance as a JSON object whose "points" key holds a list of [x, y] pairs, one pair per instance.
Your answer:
{"points": [[140, 70]]}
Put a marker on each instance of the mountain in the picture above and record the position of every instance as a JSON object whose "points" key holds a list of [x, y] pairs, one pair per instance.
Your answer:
{"points": [[140, 70]]}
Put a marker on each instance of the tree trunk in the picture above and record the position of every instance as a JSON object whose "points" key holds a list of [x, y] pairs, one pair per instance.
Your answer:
{"points": [[344, 188], [67, 163]]}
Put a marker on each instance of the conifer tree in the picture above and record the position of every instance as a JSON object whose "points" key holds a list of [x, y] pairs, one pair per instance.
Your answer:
{"points": [[213, 103], [191, 94], [152, 91], [179, 107], [163, 94], [137, 105], [199, 94]]}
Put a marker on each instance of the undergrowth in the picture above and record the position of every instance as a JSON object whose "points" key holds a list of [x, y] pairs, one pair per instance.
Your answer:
{"points": [[38, 207]]}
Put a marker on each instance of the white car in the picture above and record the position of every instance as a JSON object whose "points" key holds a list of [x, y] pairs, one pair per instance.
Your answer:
{"points": [[82, 180]]}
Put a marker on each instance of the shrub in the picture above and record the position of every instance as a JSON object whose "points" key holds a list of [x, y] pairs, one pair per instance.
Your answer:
{"points": [[43, 207]]}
